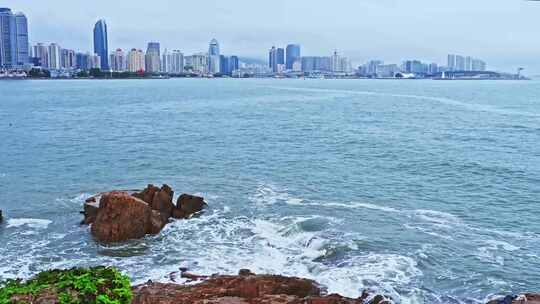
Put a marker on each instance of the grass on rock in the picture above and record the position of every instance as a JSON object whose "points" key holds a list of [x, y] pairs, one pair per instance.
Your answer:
{"points": [[99, 285]]}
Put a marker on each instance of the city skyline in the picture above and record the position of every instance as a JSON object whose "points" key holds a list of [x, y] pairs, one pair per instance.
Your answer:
{"points": [[358, 34]]}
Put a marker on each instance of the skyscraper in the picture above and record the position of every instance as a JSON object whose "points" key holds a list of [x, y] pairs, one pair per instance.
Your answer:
{"points": [[451, 64], [234, 64], [293, 55], [460, 63], [177, 62], [136, 61], [54, 60], [214, 58], [153, 53], [41, 51], [280, 59], [14, 49], [272, 54], [101, 43], [118, 61]]}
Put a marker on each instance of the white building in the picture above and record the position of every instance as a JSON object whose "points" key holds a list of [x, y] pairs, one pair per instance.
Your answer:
{"points": [[54, 60], [136, 61]]}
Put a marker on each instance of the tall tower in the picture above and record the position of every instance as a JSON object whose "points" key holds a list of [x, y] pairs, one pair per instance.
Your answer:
{"points": [[21, 40], [214, 60], [293, 55], [153, 52], [101, 43]]}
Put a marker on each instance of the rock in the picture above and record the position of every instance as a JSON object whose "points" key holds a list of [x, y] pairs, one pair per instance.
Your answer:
{"points": [[158, 199], [187, 205], [91, 199], [1, 218], [90, 211], [157, 222], [528, 298], [122, 217], [147, 194], [246, 288]]}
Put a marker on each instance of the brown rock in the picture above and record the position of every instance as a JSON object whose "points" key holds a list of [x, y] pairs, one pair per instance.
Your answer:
{"points": [[188, 205], [163, 201], [528, 298], [90, 212], [247, 288], [147, 194], [157, 222], [122, 217]]}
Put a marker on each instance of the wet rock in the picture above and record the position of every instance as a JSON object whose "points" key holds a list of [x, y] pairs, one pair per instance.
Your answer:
{"points": [[90, 211], [122, 217], [246, 288], [1, 218], [159, 199], [187, 205], [529, 298]]}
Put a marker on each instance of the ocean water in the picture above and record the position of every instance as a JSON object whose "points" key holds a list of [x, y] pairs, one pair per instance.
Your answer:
{"points": [[428, 191]]}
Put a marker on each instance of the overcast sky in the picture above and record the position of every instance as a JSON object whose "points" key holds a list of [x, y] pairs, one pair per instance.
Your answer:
{"points": [[505, 33]]}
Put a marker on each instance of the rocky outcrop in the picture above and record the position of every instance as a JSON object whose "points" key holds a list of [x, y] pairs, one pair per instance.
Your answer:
{"points": [[245, 288], [187, 205], [122, 215], [1, 218], [521, 299], [158, 199]]}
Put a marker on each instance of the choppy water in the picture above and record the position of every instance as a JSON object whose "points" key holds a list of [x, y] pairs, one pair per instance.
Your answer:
{"points": [[426, 190]]}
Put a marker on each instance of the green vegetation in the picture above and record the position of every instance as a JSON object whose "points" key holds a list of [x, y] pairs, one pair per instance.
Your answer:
{"points": [[100, 285]]}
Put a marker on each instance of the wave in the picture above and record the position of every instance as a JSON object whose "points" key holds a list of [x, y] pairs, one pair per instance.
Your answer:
{"points": [[443, 100], [29, 222]]}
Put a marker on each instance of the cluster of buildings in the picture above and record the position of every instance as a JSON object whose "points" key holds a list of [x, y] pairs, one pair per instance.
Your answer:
{"points": [[419, 69], [17, 55], [290, 60]]}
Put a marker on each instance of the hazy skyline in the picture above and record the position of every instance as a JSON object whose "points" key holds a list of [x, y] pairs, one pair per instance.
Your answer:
{"points": [[502, 32]]}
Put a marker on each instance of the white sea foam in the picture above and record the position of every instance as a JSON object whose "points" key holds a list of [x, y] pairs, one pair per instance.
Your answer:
{"points": [[443, 100], [29, 222]]}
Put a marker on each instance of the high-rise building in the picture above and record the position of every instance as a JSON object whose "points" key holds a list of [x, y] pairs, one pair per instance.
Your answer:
{"points": [[54, 60], [451, 64], [414, 67], [136, 61], [468, 63], [81, 61], [22, 47], [433, 68], [224, 65], [372, 67], [478, 65], [117, 61], [41, 52], [198, 63], [67, 59], [234, 64], [177, 62], [460, 63], [276, 59], [272, 58], [94, 61], [101, 44], [214, 58], [293, 55], [14, 48], [153, 54], [316, 64]]}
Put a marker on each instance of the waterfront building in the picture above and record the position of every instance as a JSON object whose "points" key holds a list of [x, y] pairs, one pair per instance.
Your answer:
{"points": [[81, 61], [414, 67], [136, 61], [101, 43], [478, 65], [14, 47], [272, 55], [468, 63], [316, 64], [387, 70], [224, 65], [117, 61], [460, 63], [199, 63], [276, 59], [451, 63], [234, 64], [297, 65], [433, 68], [293, 53], [153, 55], [177, 62], [41, 52], [54, 60], [371, 68], [166, 64], [67, 59], [214, 58], [94, 61]]}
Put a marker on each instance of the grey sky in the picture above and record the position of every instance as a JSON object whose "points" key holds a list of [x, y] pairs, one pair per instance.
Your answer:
{"points": [[506, 33]]}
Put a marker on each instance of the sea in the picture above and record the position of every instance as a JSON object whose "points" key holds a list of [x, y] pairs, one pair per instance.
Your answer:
{"points": [[427, 191]]}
